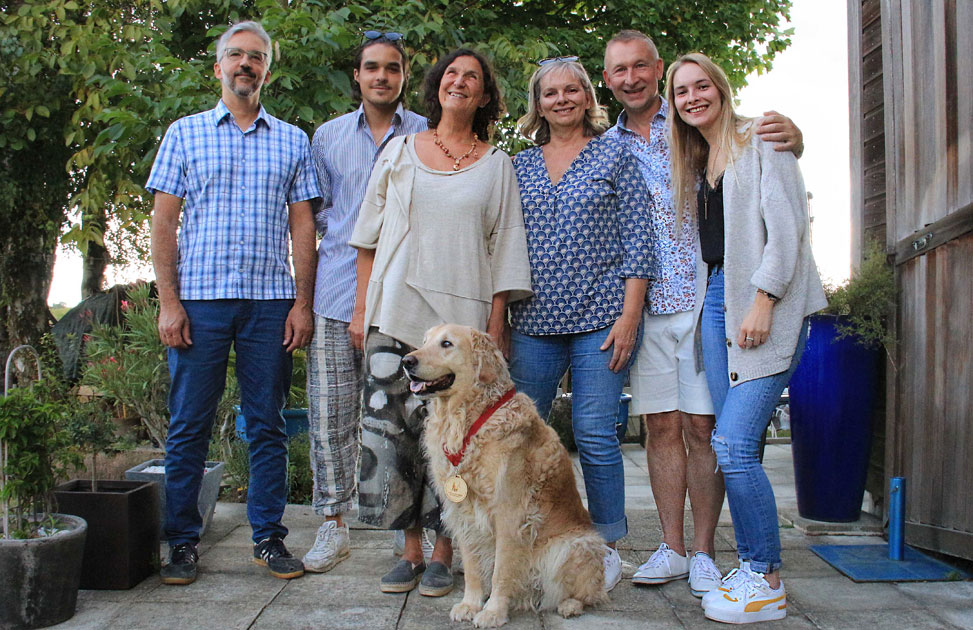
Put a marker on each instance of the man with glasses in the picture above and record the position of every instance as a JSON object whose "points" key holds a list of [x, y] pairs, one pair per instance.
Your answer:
{"points": [[344, 151], [667, 389], [241, 181]]}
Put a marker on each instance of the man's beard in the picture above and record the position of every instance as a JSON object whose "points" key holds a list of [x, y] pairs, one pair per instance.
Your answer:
{"points": [[244, 90]]}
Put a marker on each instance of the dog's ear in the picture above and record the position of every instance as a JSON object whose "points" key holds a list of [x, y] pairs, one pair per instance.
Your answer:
{"points": [[489, 359]]}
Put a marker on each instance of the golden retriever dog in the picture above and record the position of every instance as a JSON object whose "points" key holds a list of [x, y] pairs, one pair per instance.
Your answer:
{"points": [[519, 522]]}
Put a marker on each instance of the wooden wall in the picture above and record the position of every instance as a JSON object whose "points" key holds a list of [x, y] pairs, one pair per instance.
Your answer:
{"points": [[867, 162], [867, 101], [923, 62]]}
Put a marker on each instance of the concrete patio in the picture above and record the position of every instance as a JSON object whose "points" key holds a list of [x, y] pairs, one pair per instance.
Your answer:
{"points": [[234, 593]]}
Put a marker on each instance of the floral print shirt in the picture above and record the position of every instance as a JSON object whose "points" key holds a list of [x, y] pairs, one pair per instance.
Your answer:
{"points": [[585, 236], [673, 290]]}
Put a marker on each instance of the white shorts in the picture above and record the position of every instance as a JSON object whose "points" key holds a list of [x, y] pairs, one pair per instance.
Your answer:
{"points": [[664, 376]]}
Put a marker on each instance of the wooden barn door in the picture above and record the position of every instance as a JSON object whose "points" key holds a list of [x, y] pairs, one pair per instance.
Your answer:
{"points": [[927, 57]]}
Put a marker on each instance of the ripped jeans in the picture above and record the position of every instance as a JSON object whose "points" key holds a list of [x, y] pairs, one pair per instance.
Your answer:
{"points": [[742, 415]]}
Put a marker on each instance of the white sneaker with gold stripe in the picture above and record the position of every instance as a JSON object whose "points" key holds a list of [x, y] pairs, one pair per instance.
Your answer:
{"points": [[752, 599]]}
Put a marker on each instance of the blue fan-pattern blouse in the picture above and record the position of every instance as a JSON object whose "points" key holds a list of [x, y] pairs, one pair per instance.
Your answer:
{"points": [[584, 237]]}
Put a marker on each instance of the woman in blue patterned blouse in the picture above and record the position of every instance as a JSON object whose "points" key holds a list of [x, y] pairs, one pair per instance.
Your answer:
{"points": [[586, 210]]}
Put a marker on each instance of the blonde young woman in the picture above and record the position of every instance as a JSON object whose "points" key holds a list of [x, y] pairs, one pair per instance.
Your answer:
{"points": [[751, 208], [587, 211]]}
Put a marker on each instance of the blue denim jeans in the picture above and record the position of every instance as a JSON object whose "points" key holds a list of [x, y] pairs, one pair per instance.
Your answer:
{"points": [[263, 368], [742, 415], [537, 364]]}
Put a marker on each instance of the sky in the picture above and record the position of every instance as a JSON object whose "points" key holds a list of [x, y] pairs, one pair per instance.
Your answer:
{"points": [[808, 83]]}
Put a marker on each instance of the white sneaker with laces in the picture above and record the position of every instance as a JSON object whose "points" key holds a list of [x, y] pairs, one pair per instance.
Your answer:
{"points": [[663, 566], [729, 582], [331, 546], [704, 576], [752, 600], [613, 568]]}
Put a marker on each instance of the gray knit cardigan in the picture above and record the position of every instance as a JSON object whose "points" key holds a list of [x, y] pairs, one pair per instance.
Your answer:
{"points": [[767, 246]]}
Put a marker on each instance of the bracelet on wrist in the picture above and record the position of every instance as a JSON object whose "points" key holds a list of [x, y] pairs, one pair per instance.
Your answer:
{"points": [[770, 296]]}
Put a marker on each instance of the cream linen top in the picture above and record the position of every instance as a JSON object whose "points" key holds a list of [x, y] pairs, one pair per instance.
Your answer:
{"points": [[445, 242]]}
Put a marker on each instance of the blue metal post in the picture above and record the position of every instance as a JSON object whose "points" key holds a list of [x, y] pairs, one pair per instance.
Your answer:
{"points": [[896, 518]]}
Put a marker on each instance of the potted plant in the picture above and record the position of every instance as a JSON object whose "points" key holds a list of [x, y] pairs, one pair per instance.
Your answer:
{"points": [[40, 550], [127, 366], [122, 547], [154, 471], [832, 393]]}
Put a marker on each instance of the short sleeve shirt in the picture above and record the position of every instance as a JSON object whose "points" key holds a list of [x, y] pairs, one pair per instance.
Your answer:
{"points": [[585, 236], [234, 234], [674, 289]]}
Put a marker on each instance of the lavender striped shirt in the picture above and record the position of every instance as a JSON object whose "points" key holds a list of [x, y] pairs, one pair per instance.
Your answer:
{"points": [[344, 153]]}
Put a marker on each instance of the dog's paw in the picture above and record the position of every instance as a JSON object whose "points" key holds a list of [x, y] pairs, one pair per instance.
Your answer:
{"points": [[570, 608], [490, 618], [464, 611]]}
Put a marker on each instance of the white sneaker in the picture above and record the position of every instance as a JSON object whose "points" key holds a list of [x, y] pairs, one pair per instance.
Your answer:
{"points": [[664, 566], [613, 568], [331, 546], [730, 581], [752, 600], [398, 548], [703, 574]]}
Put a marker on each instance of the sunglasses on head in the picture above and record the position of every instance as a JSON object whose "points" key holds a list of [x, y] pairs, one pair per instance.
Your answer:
{"points": [[567, 58], [391, 36]]}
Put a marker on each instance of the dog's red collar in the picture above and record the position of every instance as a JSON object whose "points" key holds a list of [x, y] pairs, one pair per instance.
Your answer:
{"points": [[456, 458]]}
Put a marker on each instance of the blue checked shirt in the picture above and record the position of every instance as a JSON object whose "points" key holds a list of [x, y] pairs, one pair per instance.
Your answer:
{"points": [[674, 289], [234, 236], [344, 153]]}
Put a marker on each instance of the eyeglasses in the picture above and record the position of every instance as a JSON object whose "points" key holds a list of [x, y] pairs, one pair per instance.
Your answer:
{"points": [[236, 54], [568, 59], [390, 36]]}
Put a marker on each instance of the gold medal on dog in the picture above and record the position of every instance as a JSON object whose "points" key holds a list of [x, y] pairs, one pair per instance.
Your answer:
{"points": [[455, 489]]}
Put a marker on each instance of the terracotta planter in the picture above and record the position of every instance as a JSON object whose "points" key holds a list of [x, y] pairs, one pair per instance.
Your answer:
{"points": [[40, 577], [122, 547]]}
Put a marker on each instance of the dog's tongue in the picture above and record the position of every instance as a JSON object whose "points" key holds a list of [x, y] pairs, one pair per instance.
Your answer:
{"points": [[416, 386]]}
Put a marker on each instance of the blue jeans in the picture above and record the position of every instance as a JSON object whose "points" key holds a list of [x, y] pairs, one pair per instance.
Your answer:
{"points": [[263, 369], [537, 364], [742, 415]]}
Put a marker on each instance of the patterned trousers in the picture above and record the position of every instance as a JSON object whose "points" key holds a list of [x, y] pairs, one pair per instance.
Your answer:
{"points": [[334, 390], [395, 488]]}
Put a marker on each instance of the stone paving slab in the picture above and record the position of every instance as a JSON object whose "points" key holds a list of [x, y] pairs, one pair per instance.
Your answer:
{"points": [[911, 619], [234, 593], [312, 616], [201, 615]]}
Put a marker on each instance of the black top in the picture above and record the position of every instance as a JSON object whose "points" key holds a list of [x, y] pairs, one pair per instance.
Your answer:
{"points": [[709, 209]]}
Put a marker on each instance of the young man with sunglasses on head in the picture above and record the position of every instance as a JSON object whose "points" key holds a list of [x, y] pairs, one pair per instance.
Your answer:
{"points": [[344, 151], [221, 264]]}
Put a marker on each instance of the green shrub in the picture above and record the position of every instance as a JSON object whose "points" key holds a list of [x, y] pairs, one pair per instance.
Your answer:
{"points": [[36, 453], [127, 364], [300, 479], [866, 301]]}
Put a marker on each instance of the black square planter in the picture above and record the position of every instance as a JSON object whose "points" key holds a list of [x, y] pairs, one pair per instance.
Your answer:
{"points": [[122, 547]]}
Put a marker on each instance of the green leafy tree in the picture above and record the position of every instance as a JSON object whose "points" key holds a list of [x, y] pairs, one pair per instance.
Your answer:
{"points": [[91, 86], [91, 430]]}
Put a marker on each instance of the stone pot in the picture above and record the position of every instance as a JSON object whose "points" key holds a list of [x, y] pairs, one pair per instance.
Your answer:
{"points": [[41, 576], [209, 490]]}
